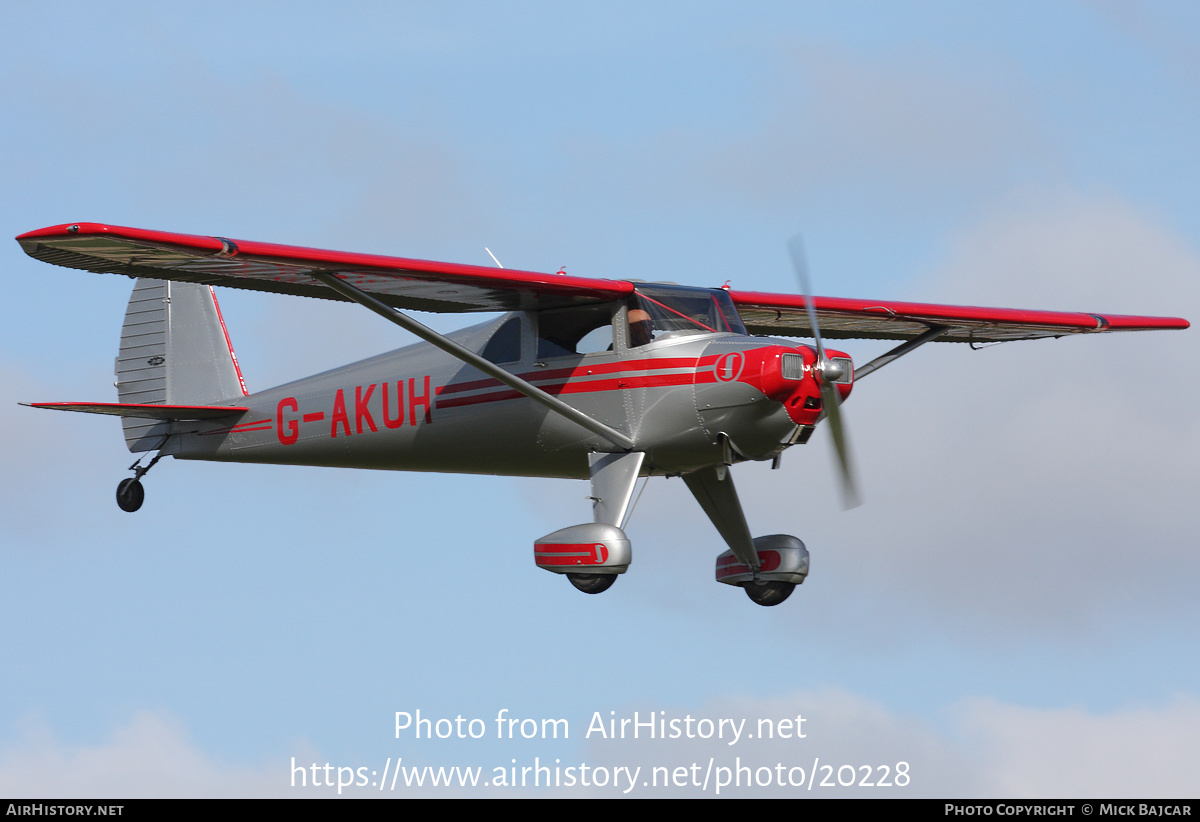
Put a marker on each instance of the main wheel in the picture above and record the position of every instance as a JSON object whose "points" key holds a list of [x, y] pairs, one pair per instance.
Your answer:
{"points": [[768, 593], [130, 495], [592, 583]]}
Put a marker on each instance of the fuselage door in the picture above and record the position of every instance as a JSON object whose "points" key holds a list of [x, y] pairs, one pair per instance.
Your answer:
{"points": [[575, 360]]}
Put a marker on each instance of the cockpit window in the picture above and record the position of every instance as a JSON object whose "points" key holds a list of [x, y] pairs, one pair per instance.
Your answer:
{"points": [[660, 311]]}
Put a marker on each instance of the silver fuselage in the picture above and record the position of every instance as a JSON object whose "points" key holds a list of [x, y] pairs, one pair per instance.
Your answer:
{"points": [[420, 409]]}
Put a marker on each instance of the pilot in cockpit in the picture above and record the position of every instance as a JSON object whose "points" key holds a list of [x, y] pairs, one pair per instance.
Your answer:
{"points": [[641, 327]]}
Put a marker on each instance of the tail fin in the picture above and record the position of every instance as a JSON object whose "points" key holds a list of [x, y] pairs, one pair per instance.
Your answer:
{"points": [[174, 351]]}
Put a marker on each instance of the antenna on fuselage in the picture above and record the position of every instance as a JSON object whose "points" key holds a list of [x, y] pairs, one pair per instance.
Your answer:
{"points": [[493, 256]]}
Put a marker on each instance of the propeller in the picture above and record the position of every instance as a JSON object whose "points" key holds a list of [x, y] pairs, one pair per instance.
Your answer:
{"points": [[827, 373]]}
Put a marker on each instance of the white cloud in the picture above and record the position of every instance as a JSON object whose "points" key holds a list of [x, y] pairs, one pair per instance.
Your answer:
{"points": [[150, 756], [976, 748], [1136, 752], [1066, 249]]}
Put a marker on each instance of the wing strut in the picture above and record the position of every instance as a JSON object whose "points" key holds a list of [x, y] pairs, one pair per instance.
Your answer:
{"points": [[472, 359], [899, 351]]}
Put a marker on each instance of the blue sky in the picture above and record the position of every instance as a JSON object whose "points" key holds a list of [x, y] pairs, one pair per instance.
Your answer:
{"points": [[1011, 613]]}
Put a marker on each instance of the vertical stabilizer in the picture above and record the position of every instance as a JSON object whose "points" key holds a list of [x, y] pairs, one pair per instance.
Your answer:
{"points": [[174, 351]]}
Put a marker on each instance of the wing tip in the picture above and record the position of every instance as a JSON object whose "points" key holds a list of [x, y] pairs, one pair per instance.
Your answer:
{"points": [[63, 229], [1113, 322]]}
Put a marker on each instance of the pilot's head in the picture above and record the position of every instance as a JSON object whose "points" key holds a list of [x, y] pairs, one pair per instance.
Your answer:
{"points": [[641, 327]]}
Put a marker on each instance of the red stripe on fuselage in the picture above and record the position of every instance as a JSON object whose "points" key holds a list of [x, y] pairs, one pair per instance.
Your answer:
{"points": [[579, 371], [576, 379], [582, 387], [583, 379], [257, 425]]}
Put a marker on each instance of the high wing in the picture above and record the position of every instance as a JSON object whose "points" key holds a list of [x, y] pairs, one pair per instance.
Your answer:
{"points": [[448, 287], [785, 315], [397, 281]]}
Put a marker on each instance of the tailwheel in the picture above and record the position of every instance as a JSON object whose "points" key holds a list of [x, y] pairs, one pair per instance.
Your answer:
{"points": [[593, 583], [130, 495], [768, 593]]}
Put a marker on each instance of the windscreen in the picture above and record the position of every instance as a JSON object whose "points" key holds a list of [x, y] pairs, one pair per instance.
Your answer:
{"points": [[674, 310]]}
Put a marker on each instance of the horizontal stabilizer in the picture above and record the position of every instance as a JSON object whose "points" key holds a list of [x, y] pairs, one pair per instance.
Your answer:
{"points": [[143, 411]]}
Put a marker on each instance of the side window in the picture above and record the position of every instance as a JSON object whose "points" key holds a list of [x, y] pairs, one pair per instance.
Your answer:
{"points": [[582, 330], [596, 340], [505, 344]]}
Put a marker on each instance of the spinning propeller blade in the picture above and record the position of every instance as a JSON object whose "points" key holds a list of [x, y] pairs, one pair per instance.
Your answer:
{"points": [[826, 373]]}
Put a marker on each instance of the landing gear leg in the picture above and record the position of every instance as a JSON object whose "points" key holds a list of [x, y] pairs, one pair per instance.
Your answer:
{"points": [[130, 493]]}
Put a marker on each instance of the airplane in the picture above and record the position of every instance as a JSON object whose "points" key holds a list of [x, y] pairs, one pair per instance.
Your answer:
{"points": [[611, 381]]}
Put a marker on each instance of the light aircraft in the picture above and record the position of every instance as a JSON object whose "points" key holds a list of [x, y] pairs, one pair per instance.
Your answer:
{"points": [[605, 380]]}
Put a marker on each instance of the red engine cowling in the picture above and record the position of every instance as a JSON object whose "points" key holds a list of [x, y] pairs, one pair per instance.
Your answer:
{"points": [[788, 377]]}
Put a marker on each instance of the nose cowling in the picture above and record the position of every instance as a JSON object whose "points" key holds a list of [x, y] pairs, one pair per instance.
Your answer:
{"points": [[790, 376]]}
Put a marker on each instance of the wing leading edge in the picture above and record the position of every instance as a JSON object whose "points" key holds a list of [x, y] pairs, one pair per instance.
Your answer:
{"points": [[423, 285]]}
